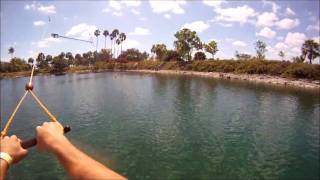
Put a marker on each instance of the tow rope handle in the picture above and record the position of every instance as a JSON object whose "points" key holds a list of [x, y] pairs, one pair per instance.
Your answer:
{"points": [[32, 142]]}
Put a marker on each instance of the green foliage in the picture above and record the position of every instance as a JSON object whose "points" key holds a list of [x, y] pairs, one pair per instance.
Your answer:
{"points": [[198, 56], [15, 65], [298, 59], [41, 62], [171, 55], [133, 55], [242, 56], [60, 64], [261, 49], [211, 48], [187, 41], [160, 50], [310, 49]]}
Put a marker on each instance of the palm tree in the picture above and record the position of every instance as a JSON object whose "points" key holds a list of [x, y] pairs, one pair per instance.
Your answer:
{"points": [[281, 54], [105, 33], [97, 33], [11, 51], [113, 37], [123, 37], [310, 49], [118, 41]]}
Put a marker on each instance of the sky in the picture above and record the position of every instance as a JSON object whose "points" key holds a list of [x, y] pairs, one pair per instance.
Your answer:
{"points": [[234, 25]]}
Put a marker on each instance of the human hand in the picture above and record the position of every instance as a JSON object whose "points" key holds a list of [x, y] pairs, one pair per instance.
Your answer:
{"points": [[50, 136], [12, 146]]}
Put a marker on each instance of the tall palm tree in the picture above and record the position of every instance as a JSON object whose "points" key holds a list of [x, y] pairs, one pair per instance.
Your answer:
{"points": [[11, 51], [114, 35], [97, 33], [123, 37], [310, 49], [118, 41], [105, 33]]}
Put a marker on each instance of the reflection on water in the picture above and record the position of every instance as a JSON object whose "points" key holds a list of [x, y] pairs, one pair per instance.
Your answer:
{"points": [[173, 127]]}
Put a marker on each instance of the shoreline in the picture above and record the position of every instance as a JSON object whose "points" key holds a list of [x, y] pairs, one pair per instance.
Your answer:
{"points": [[255, 78], [264, 79]]}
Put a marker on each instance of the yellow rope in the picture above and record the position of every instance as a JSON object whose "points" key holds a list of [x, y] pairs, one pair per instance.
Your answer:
{"points": [[52, 118], [4, 131]]}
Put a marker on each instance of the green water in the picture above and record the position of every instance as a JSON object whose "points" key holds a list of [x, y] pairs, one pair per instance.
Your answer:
{"points": [[172, 127]]}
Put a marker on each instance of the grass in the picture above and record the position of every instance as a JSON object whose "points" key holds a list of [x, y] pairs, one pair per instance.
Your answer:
{"points": [[274, 68]]}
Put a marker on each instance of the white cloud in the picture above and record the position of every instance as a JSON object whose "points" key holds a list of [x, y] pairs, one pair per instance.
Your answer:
{"points": [[315, 27], [130, 43], [274, 5], [115, 5], [215, 3], [295, 39], [45, 43], [239, 43], [287, 23], [82, 30], [167, 6], [267, 33], [167, 16], [39, 23], [136, 12], [290, 12], [139, 31], [281, 46], [267, 19], [197, 26], [225, 24], [142, 18], [239, 14], [51, 9], [131, 3]]}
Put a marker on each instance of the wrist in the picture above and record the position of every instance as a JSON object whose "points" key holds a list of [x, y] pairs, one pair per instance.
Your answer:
{"points": [[59, 146], [4, 164], [6, 157]]}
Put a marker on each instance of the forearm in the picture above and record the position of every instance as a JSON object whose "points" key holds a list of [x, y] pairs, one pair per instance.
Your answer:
{"points": [[3, 169], [81, 166]]}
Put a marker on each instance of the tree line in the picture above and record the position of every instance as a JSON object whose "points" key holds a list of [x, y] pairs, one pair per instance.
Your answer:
{"points": [[187, 47]]}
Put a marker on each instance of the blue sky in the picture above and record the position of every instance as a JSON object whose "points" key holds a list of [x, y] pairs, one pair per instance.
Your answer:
{"points": [[235, 25]]}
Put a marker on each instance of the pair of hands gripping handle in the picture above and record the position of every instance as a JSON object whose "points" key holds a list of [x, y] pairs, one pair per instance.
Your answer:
{"points": [[32, 142]]}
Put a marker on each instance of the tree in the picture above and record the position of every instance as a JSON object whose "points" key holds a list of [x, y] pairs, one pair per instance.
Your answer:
{"points": [[172, 55], [261, 49], [97, 33], [70, 58], [41, 63], [17, 64], [105, 55], [113, 38], [198, 56], [30, 61], [211, 48], [105, 33], [78, 60], [118, 41], [310, 49], [60, 64], [298, 59], [281, 54], [133, 55], [242, 56], [11, 51], [49, 59], [123, 37], [160, 50], [187, 40]]}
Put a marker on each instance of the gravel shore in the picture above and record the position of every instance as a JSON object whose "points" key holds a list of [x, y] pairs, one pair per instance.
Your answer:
{"points": [[267, 79]]}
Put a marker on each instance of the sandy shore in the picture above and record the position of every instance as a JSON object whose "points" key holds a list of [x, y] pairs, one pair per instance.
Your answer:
{"points": [[266, 79]]}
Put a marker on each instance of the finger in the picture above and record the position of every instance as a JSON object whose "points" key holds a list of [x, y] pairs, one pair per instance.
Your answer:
{"points": [[14, 137], [6, 137], [45, 123]]}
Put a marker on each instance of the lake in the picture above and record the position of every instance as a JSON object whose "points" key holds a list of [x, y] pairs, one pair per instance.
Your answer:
{"points": [[148, 126]]}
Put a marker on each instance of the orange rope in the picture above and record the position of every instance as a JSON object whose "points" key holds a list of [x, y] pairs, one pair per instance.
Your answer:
{"points": [[52, 118], [5, 130]]}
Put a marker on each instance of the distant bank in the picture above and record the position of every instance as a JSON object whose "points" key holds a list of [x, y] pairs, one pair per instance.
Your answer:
{"points": [[269, 72]]}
